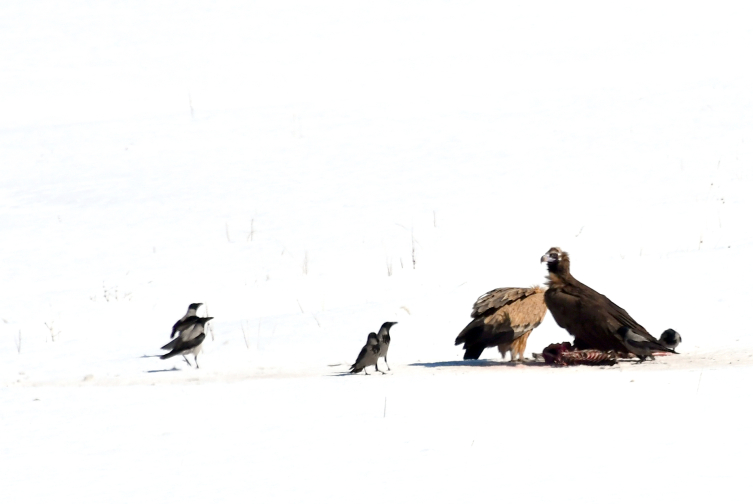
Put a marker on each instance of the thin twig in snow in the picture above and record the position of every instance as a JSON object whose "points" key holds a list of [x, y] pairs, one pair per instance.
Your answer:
{"points": [[699, 382], [51, 327], [413, 248], [243, 330], [209, 324]]}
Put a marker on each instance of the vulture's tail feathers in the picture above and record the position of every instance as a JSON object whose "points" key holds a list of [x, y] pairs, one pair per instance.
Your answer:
{"points": [[476, 338]]}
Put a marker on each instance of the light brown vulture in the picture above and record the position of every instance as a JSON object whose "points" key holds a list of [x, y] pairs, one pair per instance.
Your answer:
{"points": [[503, 318], [590, 317]]}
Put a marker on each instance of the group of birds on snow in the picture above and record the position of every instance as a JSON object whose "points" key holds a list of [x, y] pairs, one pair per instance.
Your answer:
{"points": [[505, 318], [502, 318]]}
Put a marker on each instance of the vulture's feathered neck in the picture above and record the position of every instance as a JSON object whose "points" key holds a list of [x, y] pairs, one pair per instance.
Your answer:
{"points": [[559, 271]]}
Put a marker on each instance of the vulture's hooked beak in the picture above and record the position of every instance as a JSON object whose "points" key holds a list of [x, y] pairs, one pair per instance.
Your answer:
{"points": [[547, 258], [552, 255]]}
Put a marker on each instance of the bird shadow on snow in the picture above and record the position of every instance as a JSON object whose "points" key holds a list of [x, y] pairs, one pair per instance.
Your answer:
{"points": [[462, 363], [162, 370], [174, 368], [477, 363], [348, 373]]}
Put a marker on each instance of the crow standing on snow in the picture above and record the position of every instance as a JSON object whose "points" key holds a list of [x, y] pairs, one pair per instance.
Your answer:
{"points": [[190, 313], [670, 338], [641, 346], [368, 356], [189, 339], [591, 317], [384, 341], [187, 346], [503, 318]]}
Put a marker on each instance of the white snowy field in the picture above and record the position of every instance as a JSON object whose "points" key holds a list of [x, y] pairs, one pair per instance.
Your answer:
{"points": [[311, 170]]}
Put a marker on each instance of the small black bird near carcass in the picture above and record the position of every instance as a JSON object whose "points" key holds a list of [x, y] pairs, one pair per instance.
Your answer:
{"points": [[642, 347], [503, 318], [589, 316], [670, 338], [368, 356]]}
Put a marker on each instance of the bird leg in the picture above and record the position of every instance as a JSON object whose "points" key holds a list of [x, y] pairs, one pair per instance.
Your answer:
{"points": [[376, 366], [196, 360], [385, 361], [186, 359]]}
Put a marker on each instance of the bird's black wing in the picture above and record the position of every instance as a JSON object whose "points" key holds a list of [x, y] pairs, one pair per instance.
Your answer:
{"points": [[585, 316], [361, 356], [183, 346]]}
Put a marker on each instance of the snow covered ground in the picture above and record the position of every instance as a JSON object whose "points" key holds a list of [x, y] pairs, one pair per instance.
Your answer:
{"points": [[310, 170]]}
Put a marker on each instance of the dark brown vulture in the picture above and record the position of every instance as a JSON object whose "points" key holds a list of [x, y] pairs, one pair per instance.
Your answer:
{"points": [[589, 316], [503, 318]]}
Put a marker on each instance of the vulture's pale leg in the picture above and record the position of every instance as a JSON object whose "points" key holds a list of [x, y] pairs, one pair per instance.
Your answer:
{"points": [[519, 346]]}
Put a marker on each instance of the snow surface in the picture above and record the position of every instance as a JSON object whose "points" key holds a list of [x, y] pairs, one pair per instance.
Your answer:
{"points": [[309, 170]]}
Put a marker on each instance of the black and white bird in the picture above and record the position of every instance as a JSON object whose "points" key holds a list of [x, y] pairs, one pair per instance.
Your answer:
{"points": [[368, 356], [185, 347], [670, 338], [187, 331], [641, 346], [384, 341], [190, 313]]}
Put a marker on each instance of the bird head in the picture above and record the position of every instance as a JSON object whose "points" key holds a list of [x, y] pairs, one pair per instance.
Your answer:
{"points": [[385, 329], [194, 306], [372, 339], [670, 337], [557, 261], [622, 332], [553, 255]]}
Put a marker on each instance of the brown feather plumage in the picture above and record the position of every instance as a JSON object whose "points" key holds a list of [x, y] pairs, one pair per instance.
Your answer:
{"points": [[503, 318], [592, 318]]}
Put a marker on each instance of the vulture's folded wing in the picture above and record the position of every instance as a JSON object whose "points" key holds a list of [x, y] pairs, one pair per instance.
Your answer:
{"points": [[498, 298]]}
